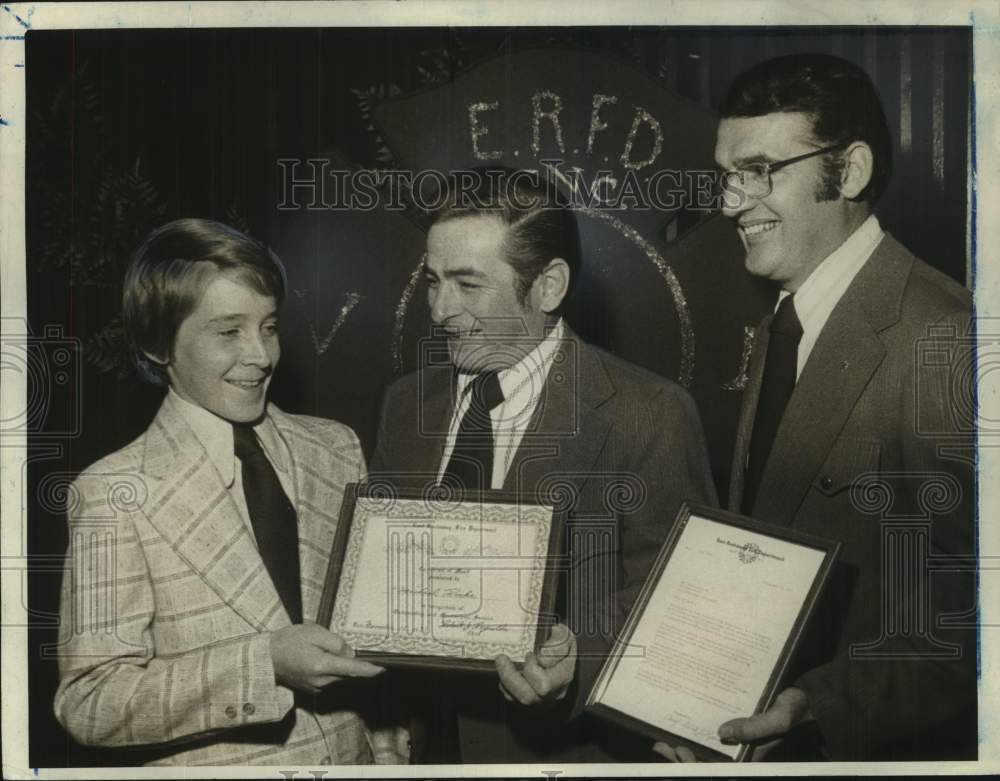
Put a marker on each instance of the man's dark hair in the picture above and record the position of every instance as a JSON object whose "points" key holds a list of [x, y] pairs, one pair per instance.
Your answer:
{"points": [[838, 97], [168, 274], [541, 225]]}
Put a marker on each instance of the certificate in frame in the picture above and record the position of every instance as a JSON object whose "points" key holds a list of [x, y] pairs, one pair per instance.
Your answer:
{"points": [[713, 630], [428, 580]]}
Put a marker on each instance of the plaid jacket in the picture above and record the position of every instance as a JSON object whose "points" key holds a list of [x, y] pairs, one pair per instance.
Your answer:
{"points": [[167, 608]]}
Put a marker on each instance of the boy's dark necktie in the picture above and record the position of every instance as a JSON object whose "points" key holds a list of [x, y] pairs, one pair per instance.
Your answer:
{"points": [[275, 524]]}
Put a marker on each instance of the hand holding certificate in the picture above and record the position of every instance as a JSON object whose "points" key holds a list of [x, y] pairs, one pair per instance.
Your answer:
{"points": [[713, 629], [545, 676], [432, 581]]}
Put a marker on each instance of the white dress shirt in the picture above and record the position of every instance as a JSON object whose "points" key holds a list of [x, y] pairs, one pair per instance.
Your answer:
{"points": [[522, 386], [819, 294], [216, 436]]}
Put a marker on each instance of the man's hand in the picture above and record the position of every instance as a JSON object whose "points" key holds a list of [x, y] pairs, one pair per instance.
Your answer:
{"points": [[545, 677], [308, 657], [674, 753], [764, 731]]}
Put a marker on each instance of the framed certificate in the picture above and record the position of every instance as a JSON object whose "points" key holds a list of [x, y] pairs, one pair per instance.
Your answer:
{"points": [[425, 580], [713, 629]]}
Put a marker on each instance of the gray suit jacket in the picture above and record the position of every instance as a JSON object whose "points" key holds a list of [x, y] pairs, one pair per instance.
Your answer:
{"points": [[167, 606], [621, 448], [876, 450]]}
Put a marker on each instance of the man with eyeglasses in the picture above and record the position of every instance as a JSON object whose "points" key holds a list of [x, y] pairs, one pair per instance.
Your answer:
{"points": [[845, 430]]}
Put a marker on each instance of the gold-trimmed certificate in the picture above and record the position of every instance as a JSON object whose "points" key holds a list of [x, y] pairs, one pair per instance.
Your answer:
{"points": [[431, 580], [712, 632]]}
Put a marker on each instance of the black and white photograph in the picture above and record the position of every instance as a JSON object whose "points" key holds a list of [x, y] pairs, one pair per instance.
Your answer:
{"points": [[362, 363]]}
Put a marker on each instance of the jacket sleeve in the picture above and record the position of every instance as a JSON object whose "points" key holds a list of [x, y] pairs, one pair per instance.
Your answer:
{"points": [[114, 689], [671, 468]]}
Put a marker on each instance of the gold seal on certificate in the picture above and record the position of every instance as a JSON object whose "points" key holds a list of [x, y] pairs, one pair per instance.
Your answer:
{"points": [[713, 630], [430, 580]]}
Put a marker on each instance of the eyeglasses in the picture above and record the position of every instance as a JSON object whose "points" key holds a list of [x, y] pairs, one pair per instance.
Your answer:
{"points": [[754, 180]]}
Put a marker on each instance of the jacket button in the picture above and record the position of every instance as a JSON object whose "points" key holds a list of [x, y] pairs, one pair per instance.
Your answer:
{"points": [[249, 708], [231, 711], [826, 482]]}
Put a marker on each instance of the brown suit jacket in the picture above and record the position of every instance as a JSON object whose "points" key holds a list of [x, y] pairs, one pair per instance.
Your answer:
{"points": [[167, 606], [876, 450], [620, 448]]}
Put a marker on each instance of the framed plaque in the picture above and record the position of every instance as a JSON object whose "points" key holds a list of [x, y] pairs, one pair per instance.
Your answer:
{"points": [[713, 629], [418, 579]]}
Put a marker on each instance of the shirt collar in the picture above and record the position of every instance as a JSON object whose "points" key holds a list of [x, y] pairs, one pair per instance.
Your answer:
{"points": [[216, 436], [823, 288], [517, 378]]}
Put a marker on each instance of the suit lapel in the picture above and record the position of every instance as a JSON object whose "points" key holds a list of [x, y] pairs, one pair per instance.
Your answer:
{"points": [[422, 441], [319, 474], [567, 430], [839, 368], [434, 417], [193, 511]]}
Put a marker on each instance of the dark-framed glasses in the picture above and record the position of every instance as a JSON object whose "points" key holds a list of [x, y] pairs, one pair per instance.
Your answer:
{"points": [[754, 179]]}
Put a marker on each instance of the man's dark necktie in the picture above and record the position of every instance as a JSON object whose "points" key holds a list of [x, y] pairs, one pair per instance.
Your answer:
{"points": [[275, 524], [775, 390], [471, 459]]}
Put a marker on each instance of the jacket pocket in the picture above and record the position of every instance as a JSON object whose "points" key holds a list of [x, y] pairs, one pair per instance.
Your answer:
{"points": [[849, 461]]}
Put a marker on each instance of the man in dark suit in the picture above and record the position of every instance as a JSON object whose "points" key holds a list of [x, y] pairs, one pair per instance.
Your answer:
{"points": [[618, 446], [852, 423]]}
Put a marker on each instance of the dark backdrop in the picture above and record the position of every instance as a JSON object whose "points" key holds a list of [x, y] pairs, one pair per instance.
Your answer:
{"points": [[128, 129]]}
